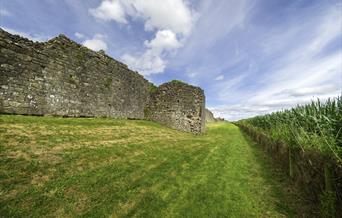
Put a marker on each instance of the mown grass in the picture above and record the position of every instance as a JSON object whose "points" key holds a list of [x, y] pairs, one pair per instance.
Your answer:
{"points": [[58, 167]]}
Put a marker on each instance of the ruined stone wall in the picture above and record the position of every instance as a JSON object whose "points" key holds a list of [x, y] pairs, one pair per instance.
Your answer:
{"points": [[179, 106], [209, 116], [61, 77]]}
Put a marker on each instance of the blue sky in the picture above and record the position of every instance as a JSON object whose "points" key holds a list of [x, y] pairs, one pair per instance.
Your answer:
{"points": [[250, 56]]}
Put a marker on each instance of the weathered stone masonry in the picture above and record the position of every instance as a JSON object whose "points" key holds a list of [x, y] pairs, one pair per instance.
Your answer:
{"points": [[178, 105], [209, 116], [61, 77]]}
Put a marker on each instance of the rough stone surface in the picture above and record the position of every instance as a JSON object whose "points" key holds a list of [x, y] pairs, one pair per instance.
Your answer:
{"points": [[60, 77], [209, 116], [178, 105]]}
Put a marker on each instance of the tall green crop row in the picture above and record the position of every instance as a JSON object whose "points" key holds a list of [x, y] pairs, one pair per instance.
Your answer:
{"points": [[313, 126]]}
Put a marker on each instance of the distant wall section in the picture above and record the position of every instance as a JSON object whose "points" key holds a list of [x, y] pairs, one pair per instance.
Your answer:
{"points": [[209, 116], [179, 106]]}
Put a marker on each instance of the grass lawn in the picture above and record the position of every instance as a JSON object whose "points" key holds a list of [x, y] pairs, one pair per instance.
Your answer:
{"points": [[65, 167]]}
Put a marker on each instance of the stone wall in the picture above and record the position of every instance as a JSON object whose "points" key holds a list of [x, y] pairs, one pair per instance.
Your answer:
{"points": [[179, 106], [60, 77], [209, 116]]}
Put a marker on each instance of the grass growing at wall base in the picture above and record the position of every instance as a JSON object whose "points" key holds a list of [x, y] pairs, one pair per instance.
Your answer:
{"points": [[123, 168]]}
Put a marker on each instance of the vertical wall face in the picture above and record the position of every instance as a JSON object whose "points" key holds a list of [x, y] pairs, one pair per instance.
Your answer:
{"points": [[179, 106], [209, 116], [60, 77]]}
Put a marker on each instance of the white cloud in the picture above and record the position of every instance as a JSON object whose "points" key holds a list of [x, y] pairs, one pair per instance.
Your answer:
{"points": [[79, 35], [110, 10], [252, 108], [167, 14], [147, 64], [4, 13], [151, 61], [219, 78], [239, 111], [297, 83], [304, 71], [171, 19], [310, 91], [304, 74], [164, 40], [97, 43], [33, 37]]}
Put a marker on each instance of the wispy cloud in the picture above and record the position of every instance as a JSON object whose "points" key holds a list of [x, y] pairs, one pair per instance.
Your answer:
{"points": [[310, 90], [216, 20], [220, 77], [303, 72]]}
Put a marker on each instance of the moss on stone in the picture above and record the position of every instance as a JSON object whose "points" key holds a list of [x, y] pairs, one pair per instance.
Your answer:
{"points": [[108, 82], [152, 88], [178, 82], [72, 80]]}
